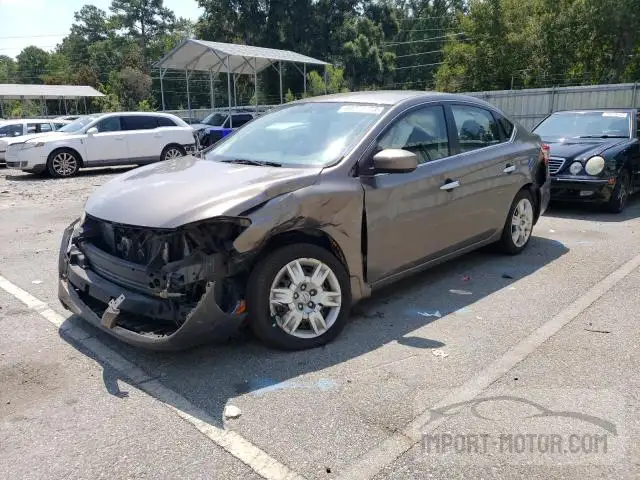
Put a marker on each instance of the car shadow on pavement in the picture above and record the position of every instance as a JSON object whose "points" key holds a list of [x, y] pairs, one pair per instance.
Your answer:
{"points": [[211, 375], [90, 172], [592, 212]]}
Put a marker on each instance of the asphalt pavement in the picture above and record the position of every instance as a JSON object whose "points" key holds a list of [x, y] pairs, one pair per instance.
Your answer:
{"points": [[541, 347]]}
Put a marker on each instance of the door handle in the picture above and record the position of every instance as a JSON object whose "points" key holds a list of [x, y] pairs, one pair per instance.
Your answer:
{"points": [[509, 169], [450, 185]]}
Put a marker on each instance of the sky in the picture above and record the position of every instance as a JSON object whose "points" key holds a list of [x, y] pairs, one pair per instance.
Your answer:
{"points": [[44, 23]]}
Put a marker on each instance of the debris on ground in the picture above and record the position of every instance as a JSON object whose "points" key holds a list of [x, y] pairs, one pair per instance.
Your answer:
{"points": [[506, 275], [431, 314], [552, 231], [231, 411], [463, 311], [460, 292], [440, 353], [36, 282], [478, 317], [597, 331], [466, 278]]}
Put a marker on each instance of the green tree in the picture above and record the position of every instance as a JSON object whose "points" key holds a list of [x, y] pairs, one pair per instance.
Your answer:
{"points": [[7, 69], [143, 20], [32, 65]]}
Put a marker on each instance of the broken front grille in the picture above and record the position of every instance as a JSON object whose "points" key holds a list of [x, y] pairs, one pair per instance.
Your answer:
{"points": [[137, 244]]}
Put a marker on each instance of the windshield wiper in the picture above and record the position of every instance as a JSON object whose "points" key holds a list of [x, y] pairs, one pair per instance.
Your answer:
{"points": [[602, 136], [259, 163]]}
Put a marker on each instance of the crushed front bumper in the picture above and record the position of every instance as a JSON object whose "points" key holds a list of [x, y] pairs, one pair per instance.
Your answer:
{"points": [[572, 189], [92, 297]]}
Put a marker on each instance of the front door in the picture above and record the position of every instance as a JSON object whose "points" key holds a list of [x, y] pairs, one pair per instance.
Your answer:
{"points": [[408, 214], [108, 145]]}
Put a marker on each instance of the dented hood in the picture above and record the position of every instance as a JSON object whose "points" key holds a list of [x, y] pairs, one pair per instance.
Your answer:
{"points": [[176, 192]]}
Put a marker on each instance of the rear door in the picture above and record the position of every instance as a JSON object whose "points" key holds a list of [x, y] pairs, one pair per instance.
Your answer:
{"points": [[143, 137], [108, 146], [489, 167], [407, 214]]}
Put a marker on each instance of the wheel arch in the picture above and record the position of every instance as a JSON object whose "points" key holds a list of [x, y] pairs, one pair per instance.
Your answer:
{"points": [[67, 149], [313, 236]]}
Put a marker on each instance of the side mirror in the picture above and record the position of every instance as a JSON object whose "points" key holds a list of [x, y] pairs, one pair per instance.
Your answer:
{"points": [[92, 130], [394, 160]]}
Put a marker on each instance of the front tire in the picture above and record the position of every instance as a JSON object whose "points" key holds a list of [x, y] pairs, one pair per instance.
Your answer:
{"points": [[518, 227], [172, 152], [620, 193], [298, 297], [63, 163]]}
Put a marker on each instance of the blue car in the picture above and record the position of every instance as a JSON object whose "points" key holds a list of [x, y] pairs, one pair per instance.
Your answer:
{"points": [[218, 125]]}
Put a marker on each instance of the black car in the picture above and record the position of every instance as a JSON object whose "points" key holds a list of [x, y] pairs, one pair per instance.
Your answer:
{"points": [[217, 125], [594, 155]]}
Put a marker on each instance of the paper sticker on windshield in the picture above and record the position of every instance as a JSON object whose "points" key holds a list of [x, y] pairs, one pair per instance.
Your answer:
{"points": [[371, 109], [615, 114], [284, 125]]}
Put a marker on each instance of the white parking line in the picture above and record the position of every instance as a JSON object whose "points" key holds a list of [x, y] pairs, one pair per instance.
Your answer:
{"points": [[372, 462], [252, 456]]}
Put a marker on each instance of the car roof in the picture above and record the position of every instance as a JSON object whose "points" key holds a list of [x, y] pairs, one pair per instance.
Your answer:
{"points": [[25, 120], [389, 97], [126, 114], [605, 109]]}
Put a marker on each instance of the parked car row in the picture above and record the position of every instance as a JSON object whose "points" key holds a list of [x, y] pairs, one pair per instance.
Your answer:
{"points": [[286, 220], [102, 140], [11, 129]]}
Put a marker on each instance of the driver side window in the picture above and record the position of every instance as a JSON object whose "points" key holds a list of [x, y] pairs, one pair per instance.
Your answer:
{"points": [[111, 124], [423, 132]]}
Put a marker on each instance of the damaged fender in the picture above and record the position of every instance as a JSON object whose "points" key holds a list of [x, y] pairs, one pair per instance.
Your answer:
{"points": [[334, 208]]}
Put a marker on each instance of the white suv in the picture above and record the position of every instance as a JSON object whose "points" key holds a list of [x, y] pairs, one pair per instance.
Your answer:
{"points": [[10, 129], [132, 138]]}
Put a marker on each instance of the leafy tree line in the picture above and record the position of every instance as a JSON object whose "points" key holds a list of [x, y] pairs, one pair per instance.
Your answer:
{"points": [[451, 45]]}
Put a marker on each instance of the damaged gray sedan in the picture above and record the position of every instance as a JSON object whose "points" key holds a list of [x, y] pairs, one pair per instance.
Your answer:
{"points": [[299, 214]]}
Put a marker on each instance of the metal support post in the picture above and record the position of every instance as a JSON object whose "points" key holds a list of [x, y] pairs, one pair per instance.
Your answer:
{"points": [[280, 75], [162, 72]]}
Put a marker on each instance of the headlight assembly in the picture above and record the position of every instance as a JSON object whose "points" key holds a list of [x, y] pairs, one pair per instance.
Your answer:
{"points": [[26, 146], [594, 165], [575, 168]]}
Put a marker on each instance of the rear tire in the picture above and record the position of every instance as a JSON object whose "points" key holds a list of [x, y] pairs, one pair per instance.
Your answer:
{"points": [[310, 310], [63, 163], [518, 226], [172, 152], [620, 193]]}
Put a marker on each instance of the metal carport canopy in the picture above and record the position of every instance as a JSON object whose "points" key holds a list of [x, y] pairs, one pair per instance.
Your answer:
{"points": [[230, 58], [16, 91], [206, 56]]}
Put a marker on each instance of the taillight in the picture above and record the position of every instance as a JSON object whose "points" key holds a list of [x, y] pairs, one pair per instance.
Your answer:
{"points": [[546, 153]]}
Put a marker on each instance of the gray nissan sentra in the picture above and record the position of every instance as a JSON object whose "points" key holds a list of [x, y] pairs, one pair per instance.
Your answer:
{"points": [[299, 214]]}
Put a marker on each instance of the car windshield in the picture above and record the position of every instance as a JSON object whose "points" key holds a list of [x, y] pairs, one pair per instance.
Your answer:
{"points": [[215, 119], [78, 124], [306, 134], [590, 124]]}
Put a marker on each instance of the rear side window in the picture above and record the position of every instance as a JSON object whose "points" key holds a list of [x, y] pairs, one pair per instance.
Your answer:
{"points": [[58, 125], [505, 125], [423, 132], [11, 130], [139, 122], [239, 120], [45, 127], [165, 122], [476, 127]]}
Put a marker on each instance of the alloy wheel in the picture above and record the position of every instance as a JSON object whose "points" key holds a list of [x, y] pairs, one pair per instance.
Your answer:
{"points": [[522, 222], [172, 153], [305, 298], [64, 164]]}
